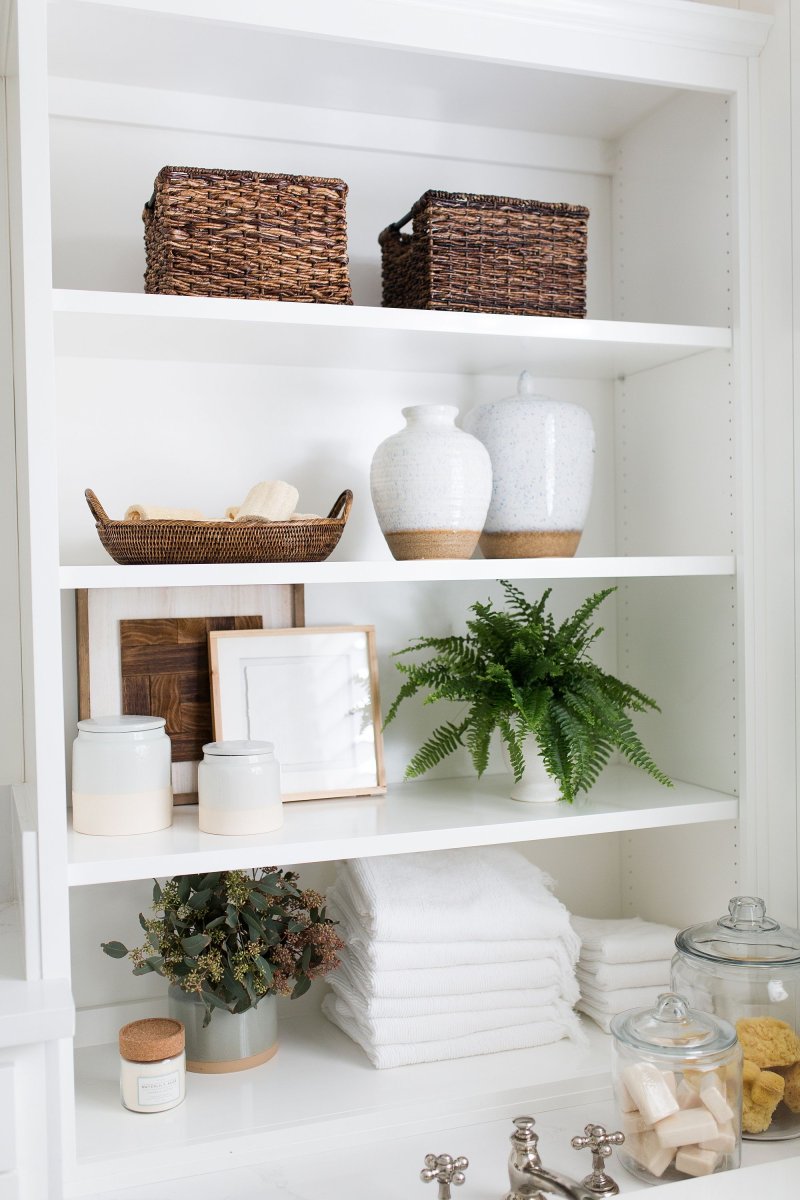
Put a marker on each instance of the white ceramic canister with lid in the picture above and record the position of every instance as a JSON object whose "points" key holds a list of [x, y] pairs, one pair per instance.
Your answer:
{"points": [[121, 776], [239, 788]]}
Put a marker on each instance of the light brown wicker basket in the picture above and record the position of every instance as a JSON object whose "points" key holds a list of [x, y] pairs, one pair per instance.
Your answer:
{"points": [[247, 234], [478, 253], [147, 543]]}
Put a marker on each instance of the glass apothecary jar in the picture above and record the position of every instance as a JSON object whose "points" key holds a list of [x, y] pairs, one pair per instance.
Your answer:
{"points": [[239, 788], [677, 1089], [745, 968]]}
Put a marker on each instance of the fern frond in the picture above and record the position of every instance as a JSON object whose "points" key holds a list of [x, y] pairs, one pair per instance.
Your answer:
{"points": [[443, 741]]}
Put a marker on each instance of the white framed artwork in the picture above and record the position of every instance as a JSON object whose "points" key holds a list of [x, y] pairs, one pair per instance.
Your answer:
{"points": [[313, 692]]}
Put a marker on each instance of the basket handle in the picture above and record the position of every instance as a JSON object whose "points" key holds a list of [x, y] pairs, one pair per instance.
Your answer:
{"points": [[396, 226], [341, 509], [98, 512]]}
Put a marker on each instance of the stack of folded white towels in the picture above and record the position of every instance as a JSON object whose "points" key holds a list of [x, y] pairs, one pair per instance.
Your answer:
{"points": [[623, 964], [449, 954]]}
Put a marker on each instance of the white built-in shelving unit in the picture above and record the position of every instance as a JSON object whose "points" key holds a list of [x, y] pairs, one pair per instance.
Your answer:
{"points": [[649, 112]]}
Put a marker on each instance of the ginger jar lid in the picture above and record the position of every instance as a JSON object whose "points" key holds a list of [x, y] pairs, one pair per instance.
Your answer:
{"points": [[126, 724], [236, 749], [671, 1027], [526, 389], [744, 935]]}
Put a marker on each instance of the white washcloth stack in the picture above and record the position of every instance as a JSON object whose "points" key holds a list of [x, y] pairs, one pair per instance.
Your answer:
{"points": [[622, 964], [451, 954]]}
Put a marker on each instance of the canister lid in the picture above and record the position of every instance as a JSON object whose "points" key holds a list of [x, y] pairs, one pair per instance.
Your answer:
{"points": [[229, 749], [745, 935], [671, 1027], [120, 724], [152, 1039]]}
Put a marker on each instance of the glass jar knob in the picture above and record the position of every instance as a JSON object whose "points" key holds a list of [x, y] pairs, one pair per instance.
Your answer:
{"points": [[671, 1008], [748, 912]]}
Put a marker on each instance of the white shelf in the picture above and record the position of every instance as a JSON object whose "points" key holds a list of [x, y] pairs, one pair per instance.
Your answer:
{"points": [[200, 329], [389, 571], [31, 1010], [320, 1085], [428, 815]]}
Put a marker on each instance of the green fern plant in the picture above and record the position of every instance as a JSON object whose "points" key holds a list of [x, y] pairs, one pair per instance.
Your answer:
{"points": [[521, 673]]}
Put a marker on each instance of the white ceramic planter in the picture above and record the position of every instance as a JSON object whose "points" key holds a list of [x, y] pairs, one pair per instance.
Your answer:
{"points": [[536, 785], [542, 454], [431, 484]]}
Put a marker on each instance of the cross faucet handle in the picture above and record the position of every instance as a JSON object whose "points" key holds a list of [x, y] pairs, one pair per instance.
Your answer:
{"points": [[600, 1142], [444, 1170]]}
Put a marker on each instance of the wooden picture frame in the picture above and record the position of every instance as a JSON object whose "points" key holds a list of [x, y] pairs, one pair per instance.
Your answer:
{"points": [[314, 693], [100, 612]]}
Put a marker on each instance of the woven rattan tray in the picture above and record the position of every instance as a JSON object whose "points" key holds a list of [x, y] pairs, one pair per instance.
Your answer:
{"points": [[148, 543], [475, 253]]}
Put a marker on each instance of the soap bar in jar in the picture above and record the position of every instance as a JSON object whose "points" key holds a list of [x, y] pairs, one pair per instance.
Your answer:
{"points": [[677, 1081]]}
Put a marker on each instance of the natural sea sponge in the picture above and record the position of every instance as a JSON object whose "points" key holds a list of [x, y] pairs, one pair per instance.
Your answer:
{"points": [[767, 1042], [761, 1095], [791, 1095]]}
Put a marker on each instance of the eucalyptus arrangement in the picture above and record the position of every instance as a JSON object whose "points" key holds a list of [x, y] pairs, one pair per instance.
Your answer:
{"points": [[234, 937], [520, 672]]}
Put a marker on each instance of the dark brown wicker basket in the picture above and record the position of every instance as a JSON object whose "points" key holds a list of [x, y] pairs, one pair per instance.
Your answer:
{"points": [[487, 254], [146, 543], [240, 233]]}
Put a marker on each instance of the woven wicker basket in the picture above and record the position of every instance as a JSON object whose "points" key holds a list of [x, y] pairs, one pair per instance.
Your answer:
{"points": [[146, 543], [487, 254], [239, 233]]}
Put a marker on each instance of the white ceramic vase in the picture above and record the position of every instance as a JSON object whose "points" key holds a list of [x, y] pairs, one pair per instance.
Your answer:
{"points": [[536, 785], [431, 484], [542, 454]]}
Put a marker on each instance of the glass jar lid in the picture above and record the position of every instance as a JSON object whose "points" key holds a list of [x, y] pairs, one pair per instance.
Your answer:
{"points": [[235, 748], [746, 935], [129, 724], [671, 1027]]}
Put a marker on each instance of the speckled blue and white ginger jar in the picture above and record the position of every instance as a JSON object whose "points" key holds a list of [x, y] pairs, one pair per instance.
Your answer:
{"points": [[542, 454], [431, 484]]}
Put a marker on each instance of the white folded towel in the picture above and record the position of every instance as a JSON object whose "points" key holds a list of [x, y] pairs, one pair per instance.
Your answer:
{"points": [[450, 981], [399, 956], [600, 1018], [455, 894], [488, 1041], [623, 941], [606, 977], [622, 998], [394, 1031], [374, 1007]]}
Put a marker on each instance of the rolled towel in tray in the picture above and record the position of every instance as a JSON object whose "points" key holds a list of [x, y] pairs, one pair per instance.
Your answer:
{"points": [[231, 512], [272, 500], [155, 512]]}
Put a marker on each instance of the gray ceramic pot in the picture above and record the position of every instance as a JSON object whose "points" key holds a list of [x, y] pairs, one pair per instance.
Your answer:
{"points": [[231, 1041]]}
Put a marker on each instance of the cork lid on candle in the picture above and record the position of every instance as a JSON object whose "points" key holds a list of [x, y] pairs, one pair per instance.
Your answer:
{"points": [[152, 1039]]}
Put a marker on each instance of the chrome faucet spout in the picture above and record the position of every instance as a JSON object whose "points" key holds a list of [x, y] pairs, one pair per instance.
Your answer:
{"points": [[528, 1178]]}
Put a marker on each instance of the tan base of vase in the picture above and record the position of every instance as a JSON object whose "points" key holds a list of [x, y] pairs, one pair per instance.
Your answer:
{"points": [[433, 543], [532, 544], [236, 1064]]}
